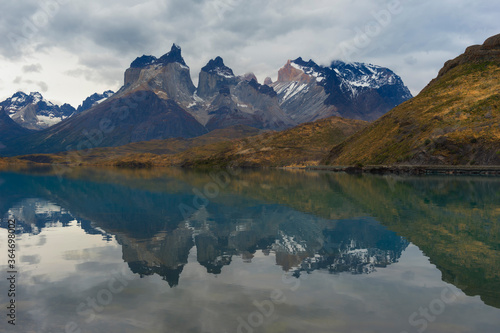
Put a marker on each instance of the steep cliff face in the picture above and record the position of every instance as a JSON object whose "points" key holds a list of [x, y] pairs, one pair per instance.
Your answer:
{"points": [[302, 99], [168, 76], [213, 77], [232, 100], [293, 73]]}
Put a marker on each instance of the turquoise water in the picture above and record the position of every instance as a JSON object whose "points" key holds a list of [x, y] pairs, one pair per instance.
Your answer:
{"points": [[105, 250]]}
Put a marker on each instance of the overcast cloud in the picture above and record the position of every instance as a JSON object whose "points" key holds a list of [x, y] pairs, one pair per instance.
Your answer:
{"points": [[73, 48]]}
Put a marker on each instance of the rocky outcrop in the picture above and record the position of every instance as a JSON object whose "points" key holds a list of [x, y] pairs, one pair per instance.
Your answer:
{"points": [[489, 51], [213, 77], [293, 73], [168, 75]]}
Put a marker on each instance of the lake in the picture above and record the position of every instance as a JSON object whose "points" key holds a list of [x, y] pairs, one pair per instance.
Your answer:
{"points": [[171, 250]]}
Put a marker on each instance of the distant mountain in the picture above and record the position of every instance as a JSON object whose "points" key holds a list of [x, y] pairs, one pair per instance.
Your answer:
{"points": [[308, 91], [34, 112], [93, 100], [455, 120], [159, 101]]}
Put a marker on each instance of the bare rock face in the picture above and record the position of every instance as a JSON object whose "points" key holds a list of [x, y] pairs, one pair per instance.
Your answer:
{"points": [[247, 103], [289, 73], [213, 77], [168, 74], [268, 81]]}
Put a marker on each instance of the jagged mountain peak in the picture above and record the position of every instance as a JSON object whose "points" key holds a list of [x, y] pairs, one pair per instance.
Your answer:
{"points": [[295, 70], [214, 76], [20, 98], [173, 56], [310, 63], [168, 76], [94, 99], [143, 61], [216, 66], [263, 89], [308, 91], [33, 111], [214, 63], [360, 75]]}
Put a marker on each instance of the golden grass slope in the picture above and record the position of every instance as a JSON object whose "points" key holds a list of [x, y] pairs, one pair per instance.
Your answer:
{"points": [[305, 144], [455, 120]]}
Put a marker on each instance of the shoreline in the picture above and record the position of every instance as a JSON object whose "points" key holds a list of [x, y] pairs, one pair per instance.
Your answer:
{"points": [[483, 170], [412, 170]]}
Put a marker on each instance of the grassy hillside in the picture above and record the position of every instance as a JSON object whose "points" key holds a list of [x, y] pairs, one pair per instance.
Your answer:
{"points": [[455, 120], [305, 144]]}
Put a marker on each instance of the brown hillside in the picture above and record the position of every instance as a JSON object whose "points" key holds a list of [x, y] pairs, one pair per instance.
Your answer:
{"points": [[305, 144], [455, 120]]}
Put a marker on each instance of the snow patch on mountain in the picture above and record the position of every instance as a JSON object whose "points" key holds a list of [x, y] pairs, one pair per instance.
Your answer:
{"points": [[94, 100], [320, 77], [34, 112], [291, 89]]}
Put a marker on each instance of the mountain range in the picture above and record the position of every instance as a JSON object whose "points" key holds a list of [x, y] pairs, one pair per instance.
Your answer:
{"points": [[455, 120], [34, 112], [159, 101]]}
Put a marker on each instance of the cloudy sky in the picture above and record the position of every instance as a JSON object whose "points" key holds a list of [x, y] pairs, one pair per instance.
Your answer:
{"points": [[69, 49]]}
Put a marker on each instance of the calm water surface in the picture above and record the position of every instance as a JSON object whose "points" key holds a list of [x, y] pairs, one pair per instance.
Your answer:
{"points": [[250, 251]]}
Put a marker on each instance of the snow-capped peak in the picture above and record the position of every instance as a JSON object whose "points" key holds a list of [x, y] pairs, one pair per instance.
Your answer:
{"points": [[37, 97], [320, 77], [216, 66], [34, 112]]}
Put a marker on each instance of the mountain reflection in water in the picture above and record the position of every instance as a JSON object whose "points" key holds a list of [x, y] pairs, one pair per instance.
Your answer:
{"points": [[305, 221]]}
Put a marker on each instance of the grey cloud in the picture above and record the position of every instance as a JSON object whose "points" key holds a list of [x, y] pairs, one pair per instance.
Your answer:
{"points": [[111, 76], [34, 68], [44, 87], [31, 259], [256, 36]]}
